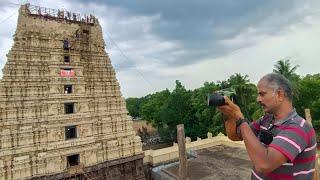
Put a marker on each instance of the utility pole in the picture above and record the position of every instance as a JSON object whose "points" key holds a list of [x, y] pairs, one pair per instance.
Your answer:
{"points": [[182, 153]]}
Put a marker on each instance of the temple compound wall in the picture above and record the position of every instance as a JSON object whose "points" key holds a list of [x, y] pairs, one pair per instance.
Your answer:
{"points": [[61, 110]]}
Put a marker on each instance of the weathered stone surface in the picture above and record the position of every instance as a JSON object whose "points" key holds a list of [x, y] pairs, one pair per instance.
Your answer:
{"points": [[32, 99]]}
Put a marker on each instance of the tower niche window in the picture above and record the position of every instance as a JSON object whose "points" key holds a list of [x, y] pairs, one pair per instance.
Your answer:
{"points": [[66, 44], [85, 31], [69, 108], [66, 58], [73, 160], [71, 132], [68, 89]]}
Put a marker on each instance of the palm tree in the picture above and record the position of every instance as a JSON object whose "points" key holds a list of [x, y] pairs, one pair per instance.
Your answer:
{"points": [[284, 67], [239, 79], [241, 84]]}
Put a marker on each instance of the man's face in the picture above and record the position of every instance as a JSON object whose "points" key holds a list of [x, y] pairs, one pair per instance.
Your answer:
{"points": [[268, 97]]}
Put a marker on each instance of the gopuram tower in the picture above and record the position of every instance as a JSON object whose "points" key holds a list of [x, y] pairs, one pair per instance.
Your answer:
{"points": [[62, 115]]}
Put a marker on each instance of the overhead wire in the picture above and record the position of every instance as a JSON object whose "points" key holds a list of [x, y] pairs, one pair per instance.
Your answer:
{"points": [[126, 57], [13, 3], [8, 17]]}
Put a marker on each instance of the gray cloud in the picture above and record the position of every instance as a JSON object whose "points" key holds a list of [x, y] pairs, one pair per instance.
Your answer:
{"points": [[161, 39], [199, 27]]}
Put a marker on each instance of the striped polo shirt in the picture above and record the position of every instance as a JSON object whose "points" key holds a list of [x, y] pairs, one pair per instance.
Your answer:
{"points": [[294, 138]]}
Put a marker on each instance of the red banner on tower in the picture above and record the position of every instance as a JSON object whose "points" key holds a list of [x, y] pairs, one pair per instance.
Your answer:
{"points": [[67, 73]]}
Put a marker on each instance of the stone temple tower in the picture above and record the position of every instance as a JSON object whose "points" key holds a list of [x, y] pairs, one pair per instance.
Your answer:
{"points": [[62, 115]]}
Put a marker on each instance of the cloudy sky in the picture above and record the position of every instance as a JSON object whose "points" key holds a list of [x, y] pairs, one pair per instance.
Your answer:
{"points": [[154, 43]]}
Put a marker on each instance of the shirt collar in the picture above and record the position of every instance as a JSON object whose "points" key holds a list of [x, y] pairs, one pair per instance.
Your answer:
{"points": [[291, 115]]}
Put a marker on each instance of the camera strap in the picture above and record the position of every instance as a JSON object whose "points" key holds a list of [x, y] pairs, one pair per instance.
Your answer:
{"points": [[265, 134]]}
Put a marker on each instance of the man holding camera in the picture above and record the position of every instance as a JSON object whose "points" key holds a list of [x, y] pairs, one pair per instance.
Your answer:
{"points": [[281, 144]]}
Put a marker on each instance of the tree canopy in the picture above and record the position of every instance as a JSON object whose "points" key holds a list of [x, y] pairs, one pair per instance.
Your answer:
{"points": [[285, 68], [165, 109]]}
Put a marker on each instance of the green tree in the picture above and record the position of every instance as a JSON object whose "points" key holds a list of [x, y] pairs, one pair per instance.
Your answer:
{"points": [[151, 109], [204, 116], [246, 94], [134, 106], [165, 109], [238, 79], [309, 95], [178, 110], [285, 68]]}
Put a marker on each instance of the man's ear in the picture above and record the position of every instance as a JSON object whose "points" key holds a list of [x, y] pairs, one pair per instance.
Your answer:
{"points": [[281, 95]]}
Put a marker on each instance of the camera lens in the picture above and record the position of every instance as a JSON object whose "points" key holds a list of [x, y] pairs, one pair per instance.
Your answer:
{"points": [[216, 99]]}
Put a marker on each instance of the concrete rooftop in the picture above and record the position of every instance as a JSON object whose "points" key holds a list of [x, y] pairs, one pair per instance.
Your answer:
{"points": [[218, 162]]}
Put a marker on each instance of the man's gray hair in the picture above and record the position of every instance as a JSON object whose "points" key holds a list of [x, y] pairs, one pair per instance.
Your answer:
{"points": [[278, 81]]}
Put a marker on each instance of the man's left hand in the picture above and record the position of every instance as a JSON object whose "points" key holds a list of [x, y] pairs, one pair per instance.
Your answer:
{"points": [[232, 113]]}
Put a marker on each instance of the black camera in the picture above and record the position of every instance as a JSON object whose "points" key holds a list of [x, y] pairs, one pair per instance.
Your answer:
{"points": [[265, 136], [216, 99]]}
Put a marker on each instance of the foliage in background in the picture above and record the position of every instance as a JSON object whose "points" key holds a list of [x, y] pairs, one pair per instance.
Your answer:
{"points": [[285, 68], [134, 106], [165, 109]]}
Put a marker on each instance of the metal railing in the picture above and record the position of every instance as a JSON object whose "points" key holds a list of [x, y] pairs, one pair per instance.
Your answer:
{"points": [[59, 14]]}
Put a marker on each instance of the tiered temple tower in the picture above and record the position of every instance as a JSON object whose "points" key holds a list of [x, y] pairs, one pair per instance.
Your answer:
{"points": [[62, 114]]}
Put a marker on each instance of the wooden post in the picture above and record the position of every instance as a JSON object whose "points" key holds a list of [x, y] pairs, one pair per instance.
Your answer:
{"points": [[316, 172], [308, 116], [182, 152]]}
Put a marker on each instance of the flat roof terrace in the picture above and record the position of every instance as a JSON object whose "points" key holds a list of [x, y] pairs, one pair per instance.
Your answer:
{"points": [[217, 162]]}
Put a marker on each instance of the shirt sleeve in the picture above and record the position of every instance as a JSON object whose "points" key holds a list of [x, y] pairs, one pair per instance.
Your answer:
{"points": [[290, 141]]}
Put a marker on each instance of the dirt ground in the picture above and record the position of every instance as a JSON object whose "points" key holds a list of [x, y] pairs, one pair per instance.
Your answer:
{"points": [[138, 124]]}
